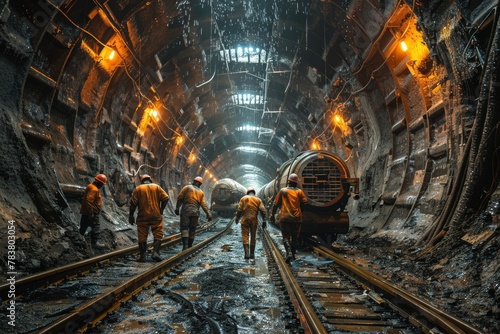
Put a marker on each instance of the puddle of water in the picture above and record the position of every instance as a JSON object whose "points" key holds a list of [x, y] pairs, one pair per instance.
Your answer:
{"points": [[179, 329], [313, 260], [193, 288], [258, 268], [250, 271], [264, 320]]}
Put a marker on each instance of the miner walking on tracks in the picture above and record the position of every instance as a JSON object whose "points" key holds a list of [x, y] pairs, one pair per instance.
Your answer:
{"points": [[248, 210], [190, 199], [91, 209], [290, 200], [151, 200]]}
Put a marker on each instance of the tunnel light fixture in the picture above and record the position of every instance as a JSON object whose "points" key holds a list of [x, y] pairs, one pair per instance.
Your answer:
{"points": [[107, 53], [153, 113], [403, 46], [250, 149], [247, 98], [248, 128], [244, 54]]}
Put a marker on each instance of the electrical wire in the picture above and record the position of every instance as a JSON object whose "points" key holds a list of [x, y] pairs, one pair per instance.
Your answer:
{"points": [[134, 82], [351, 94]]}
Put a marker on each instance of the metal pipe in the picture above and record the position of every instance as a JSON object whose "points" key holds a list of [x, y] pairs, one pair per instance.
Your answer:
{"points": [[72, 189]]}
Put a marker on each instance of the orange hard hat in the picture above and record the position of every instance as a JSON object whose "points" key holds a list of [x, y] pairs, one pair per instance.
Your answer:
{"points": [[250, 190], [294, 178], [199, 179], [101, 178], [144, 177]]}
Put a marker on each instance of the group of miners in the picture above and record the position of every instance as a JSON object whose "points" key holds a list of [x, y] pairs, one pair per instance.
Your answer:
{"points": [[150, 200]]}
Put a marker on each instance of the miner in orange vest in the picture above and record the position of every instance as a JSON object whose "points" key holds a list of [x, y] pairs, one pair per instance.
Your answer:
{"points": [[248, 210], [91, 209], [151, 200], [290, 200], [190, 199]]}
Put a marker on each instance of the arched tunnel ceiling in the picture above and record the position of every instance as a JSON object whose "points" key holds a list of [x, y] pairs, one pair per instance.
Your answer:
{"points": [[404, 92], [210, 79], [220, 67]]}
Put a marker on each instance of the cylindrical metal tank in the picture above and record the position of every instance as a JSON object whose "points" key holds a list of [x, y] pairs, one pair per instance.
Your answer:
{"points": [[226, 195], [326, 182]]}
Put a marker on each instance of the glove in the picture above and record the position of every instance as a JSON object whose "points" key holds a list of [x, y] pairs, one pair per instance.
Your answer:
{"points": [[176, 212], [209, 218], [131, 220], [264, 224]]}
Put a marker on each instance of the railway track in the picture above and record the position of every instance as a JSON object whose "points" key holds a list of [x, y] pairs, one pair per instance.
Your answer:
{"points": [[217, 291], [64, 273], [332, 294], [73, 298], [417, 310]]}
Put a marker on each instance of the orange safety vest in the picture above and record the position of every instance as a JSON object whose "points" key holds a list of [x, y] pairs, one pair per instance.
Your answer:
{"points": [[289, 200], [91, 203], [147, 197], [191, 198], [249, 207]]}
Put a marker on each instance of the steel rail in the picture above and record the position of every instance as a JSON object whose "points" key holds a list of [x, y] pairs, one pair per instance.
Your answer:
{"points": [[446, 321], [33, 282], [96, 309], [307, 316]]}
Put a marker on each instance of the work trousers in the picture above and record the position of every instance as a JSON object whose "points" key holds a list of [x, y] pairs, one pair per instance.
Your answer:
{"points": [[143, 230], [91, 221], [290, 231], [248, 228], [188, 226]]}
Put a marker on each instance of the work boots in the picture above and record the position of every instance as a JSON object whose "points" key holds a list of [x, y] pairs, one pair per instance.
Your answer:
{"points": [[156, 250], [294, 249], [247, 252], [143, 247], [190, 242], [288, 256], [185, 243], [252, 252], [98, 245]]}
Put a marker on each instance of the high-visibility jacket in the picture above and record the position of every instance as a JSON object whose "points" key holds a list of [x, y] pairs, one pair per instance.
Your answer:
{"points": [[191, 198], [92, 202], [249, 207], [147, 198], [289, 200]]}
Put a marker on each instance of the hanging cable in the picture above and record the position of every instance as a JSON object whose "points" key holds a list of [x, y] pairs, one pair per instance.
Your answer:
{"points": [[138, 62], [351, 94]]}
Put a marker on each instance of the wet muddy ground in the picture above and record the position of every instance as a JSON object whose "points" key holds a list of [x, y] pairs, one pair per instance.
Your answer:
{"points": [[453, 276], [216, 289]]}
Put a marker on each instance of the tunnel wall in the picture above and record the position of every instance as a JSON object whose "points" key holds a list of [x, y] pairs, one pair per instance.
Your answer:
{"points": [[69, 112]]}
